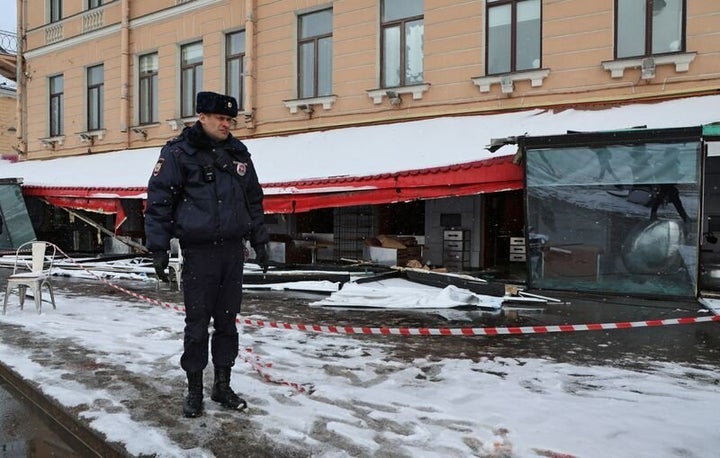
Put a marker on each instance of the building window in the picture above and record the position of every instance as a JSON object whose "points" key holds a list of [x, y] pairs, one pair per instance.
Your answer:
{"points": [[235, 67], [95, 90], [649, 27], [191, 68], [55, 10], [56, 105], [148, 87], [315, 54], [94, 4], [402, 43], [514, 40]]}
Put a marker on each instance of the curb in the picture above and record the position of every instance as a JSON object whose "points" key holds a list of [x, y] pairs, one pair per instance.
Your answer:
{"points": [[83, 439]]}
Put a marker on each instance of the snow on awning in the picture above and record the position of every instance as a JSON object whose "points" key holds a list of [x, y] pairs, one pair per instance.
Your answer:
{"points": [[497, 174], [490, 175], [430, 158], [89, 199]]}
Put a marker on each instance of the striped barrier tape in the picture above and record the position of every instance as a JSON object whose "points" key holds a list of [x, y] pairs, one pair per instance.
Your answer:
{"points": [[482, 331]]}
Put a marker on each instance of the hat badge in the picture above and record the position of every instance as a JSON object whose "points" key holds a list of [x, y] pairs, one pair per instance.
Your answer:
{"points": [[229, 104]]}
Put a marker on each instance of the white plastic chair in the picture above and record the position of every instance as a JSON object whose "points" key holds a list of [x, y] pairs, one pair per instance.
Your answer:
{"points": [[34, 273], [176, 261]]}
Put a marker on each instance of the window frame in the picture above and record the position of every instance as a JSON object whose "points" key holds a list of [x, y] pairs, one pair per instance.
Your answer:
{"points": [[402, 24], [148, 106], [231, 58], [648, 36], [92, 4], [197, 74], [315, 41], [56, 125], [98, 90], [513, 36]]}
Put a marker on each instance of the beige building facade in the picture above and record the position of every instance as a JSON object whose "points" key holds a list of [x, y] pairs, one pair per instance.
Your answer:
{"points": [[8, 101], [111, 75]]}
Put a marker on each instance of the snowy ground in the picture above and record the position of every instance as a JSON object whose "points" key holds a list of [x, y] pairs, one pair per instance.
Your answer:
{"points": [[114, 360]]}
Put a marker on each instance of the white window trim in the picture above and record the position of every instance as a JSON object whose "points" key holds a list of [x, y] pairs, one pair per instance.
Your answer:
{"points": [[90, 135], [417, 91], [506, 82], [681, 61], [51, 142], [326, 102]]}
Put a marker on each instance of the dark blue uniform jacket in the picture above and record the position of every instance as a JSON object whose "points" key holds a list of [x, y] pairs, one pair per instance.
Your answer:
{"points": [[202, 198]]}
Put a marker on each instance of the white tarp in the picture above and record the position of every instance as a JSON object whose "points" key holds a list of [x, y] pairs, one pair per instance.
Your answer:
{"points": [[397, 293]]}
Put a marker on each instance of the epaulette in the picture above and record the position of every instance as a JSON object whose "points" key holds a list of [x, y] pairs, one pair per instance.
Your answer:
{"points": [[174, 140]]}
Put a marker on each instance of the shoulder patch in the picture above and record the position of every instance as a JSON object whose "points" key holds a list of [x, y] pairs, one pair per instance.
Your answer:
{"points": [[158, 166], [240, 168]]}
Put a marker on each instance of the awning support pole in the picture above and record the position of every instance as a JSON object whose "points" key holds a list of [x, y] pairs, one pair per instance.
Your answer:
{"points": [[126, 240]]}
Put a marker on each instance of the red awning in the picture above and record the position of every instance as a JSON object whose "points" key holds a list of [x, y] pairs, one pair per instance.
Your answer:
{"points": [[490, 175]]}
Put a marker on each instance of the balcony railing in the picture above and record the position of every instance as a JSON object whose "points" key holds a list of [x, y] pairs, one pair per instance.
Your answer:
{"points": [[8, 42], [93, 19], [53, 33]]}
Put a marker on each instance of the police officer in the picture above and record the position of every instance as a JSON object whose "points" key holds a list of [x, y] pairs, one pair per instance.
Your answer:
{"points": [[204, 190]]}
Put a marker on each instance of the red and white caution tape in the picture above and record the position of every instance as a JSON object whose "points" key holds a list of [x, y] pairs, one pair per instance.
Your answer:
{"points": [[253, 360], [482, 331]]}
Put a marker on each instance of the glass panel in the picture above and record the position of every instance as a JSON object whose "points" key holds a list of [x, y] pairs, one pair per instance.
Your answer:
{"points": [[145, 93], [56, 121], [155, 99], [499, 30], [529, 41], [391, 56], [236, 43], [393, 10], [234, 79], [414, 52], [315, 24], [148, 88], [95, 75], [93, 111], [614, 219], [325, 66], [192, 54], [307, 70], [667, 26], [55, 10], [56, 84], [188, 95], [56, 105], [148, 63], [631, 28], [100, 107], [18, 227]]}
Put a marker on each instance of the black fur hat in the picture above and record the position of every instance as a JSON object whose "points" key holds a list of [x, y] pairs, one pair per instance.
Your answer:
{"points": [[212, 102]]}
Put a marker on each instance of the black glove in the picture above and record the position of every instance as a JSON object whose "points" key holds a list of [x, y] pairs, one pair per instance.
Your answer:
{"points": [[161, 259], [261, 256]]}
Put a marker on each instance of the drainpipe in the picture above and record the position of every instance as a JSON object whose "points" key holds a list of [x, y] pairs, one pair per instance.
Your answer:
{"points": [[250, 64], [21, 82], [125, 69]]}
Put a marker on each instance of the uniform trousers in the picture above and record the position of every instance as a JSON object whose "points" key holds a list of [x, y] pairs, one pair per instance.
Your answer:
{"points": [[212, 284]]}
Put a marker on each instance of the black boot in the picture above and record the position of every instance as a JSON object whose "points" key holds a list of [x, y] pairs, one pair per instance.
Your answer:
{"points": [[222, 393], [193, 405]]}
